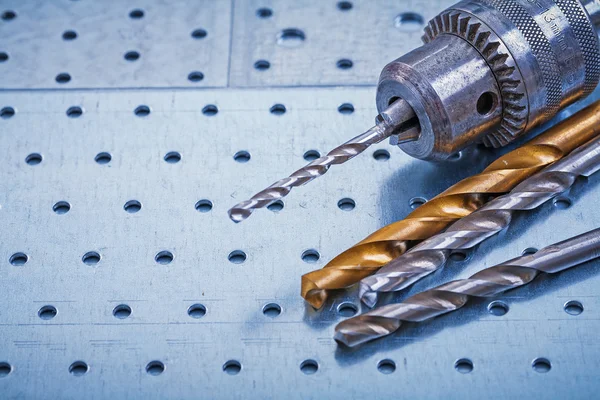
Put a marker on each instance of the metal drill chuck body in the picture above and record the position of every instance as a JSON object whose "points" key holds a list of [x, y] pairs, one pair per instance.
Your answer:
{"points": [[491, 70]]}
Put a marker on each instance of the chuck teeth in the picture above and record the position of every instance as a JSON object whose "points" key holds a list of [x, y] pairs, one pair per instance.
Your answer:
{"points": [[514, 100]]}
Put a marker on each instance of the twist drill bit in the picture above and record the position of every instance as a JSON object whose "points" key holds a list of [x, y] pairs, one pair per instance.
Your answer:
{"points": [[391, 241], [453, 295], [395, 120], [431, 254]]}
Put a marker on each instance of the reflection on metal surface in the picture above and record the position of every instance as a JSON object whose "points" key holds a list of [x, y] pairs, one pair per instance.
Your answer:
{"points": [[388, 243]]}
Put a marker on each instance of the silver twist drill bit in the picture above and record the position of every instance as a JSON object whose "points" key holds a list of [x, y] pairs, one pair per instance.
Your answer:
{"points": [[398, 119], [432, 254], [453, 295]]}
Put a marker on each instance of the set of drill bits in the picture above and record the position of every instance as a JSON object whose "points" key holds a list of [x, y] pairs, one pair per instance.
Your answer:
{"points": [[460, 218], [488, 72]]}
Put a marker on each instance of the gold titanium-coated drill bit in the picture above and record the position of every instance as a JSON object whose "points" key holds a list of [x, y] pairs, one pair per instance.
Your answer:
{"points": [[453, 295], [396, 120], [432, 254], [391, 241]]}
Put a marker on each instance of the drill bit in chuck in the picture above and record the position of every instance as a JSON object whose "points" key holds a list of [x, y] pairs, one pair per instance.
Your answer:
{"points": [[391, 241], [431, 254], [453, 295], [396, 120]]}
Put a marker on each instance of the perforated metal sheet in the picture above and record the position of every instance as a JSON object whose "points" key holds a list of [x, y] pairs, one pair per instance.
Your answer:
{"points": [[105, 31], [269, 349], [381, 30]]}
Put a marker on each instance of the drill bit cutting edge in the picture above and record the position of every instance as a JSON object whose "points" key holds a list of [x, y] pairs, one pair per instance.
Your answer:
{"points": [[391, 241], [453, 295], [489, 71], [432, 254]]}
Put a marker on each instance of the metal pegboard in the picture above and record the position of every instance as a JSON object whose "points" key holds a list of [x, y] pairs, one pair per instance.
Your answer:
{"points": [[270, 350], [122, 354], [327, 43], [66, 44], [150, 44]]}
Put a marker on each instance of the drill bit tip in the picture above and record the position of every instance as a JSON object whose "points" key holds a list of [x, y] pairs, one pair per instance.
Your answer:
{"points": [[367, 295], [364, 328]]}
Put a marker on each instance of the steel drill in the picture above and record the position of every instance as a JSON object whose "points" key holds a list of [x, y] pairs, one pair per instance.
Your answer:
{"points": [[453, 295], [391, 241], [403, 126], [489, 71], [433, 253]]}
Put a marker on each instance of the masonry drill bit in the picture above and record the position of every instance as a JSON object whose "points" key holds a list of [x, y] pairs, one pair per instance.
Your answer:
{"points": [[453, 295], [432, 254], [391, 241], [397, 120]]}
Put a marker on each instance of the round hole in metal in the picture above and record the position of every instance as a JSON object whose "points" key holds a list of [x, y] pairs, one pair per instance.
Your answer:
{"points": [[309, 367], [122, 311], [196, 311], [164, 257], [386, 366], [47, 312], [78, 368], [61, 207], [237, 257], [463, 365], [271, 310], [573, 307], [232, 367]]}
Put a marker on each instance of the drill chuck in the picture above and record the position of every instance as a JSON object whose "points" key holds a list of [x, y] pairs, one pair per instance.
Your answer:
{"points": [[491, 70]]}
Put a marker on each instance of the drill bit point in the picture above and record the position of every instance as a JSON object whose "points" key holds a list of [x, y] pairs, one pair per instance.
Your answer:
{"points": [[367, 295], [313, 294], [237, 215], [364, 328], [400, 109]]}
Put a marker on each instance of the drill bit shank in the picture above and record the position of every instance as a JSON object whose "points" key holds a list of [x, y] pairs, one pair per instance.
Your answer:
{"points": [[432, 254], [391, 241], [453, 295], [392, 121]]}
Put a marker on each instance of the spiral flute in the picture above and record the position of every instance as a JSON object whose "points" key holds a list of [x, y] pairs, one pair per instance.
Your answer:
{"points": [[431, 254], [453, 295], [401, 113], [460, 200]]}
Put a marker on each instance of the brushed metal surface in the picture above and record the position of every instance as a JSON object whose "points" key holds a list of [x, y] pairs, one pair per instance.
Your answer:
{"points": [[370, 35], [270, 350], [105, 32]]}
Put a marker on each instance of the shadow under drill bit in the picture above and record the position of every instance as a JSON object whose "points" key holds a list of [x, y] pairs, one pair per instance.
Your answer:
{"points": [[395, 197], [524, 223]]}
